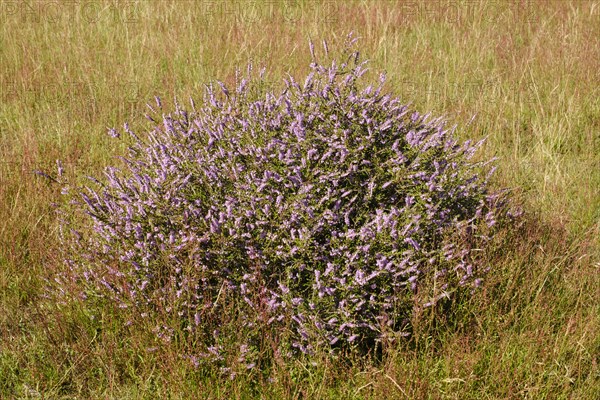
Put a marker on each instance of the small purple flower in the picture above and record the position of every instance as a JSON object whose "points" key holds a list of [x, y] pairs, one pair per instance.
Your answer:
{"points": [[112, 132]]}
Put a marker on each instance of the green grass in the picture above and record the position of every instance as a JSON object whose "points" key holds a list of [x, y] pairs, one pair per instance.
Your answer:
{"points": [[528, 71]]}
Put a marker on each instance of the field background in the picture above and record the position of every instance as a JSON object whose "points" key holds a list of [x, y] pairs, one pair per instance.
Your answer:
{"points": [[524, 73]]}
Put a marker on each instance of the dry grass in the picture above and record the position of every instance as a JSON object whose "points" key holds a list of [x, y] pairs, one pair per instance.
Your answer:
{"points": [[527, 70]]}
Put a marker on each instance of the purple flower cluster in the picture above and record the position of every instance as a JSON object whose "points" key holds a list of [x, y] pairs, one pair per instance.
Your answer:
{"points": [[327, 208]]}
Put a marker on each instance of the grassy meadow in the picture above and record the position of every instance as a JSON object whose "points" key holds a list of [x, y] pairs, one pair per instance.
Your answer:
{"points": [[526, 74]]}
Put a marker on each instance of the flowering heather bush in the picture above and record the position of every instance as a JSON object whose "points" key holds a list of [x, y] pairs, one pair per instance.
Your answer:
{"points": [[327, 210]]}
